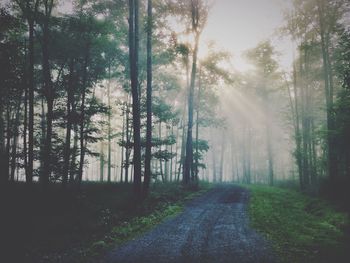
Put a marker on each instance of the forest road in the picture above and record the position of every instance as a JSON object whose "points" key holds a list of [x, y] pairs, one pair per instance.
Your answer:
{"points": [[212, 228]]}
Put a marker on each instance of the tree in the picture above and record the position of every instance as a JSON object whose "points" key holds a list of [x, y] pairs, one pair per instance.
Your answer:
{"points": [[313, 25], [266, 68], [195, 12], [148, 153], [29, 9], [134, 69]]}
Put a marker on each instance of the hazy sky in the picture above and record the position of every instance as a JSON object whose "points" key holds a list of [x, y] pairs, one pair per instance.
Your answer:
{"points": [[238, 25]]}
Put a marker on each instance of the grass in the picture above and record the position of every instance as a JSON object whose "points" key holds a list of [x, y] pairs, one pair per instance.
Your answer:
{"points": [[301, 228], [65, 226]]}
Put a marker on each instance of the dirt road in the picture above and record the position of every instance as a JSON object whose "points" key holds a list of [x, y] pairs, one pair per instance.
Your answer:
{"points": [[212, 228]]}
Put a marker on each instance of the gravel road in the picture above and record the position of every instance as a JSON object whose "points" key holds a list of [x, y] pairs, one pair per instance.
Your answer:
{"points": [[213, 228]]}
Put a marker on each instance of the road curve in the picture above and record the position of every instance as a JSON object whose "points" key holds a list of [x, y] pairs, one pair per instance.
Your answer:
{"points": [[213, 228]]}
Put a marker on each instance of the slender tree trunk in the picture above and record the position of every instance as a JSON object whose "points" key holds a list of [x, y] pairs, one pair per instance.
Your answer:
{"points": [[15, 140], [148, 153], [2, 142], [171, 152], [25, 118], [49, 93], [232, 160], [268, 131], [296, 121], [133, 50], [328, 85], [82, 116], [249, 155], [213, 156], [184, 138], [8, 141], [29, 175], [102, 162], [176, 177], [197, 129], [188, 165], [72, 170], [160, 148], [270, 158], [127, 149], [67, 149], [109, 127], [222, 157], [166, 161], [122, 148]]}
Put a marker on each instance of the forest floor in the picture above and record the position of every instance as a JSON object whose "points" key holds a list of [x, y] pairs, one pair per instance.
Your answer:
{"points": [[213, 228], [53, 225]]}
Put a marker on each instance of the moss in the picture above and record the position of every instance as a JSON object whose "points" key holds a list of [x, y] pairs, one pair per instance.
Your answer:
{"points": [[302, 229]]}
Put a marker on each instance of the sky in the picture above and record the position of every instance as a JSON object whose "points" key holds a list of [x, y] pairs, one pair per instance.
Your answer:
{"points": [[238, 25]]}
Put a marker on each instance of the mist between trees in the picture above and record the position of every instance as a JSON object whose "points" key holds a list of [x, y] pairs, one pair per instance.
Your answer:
{"points": [[115, 91]]}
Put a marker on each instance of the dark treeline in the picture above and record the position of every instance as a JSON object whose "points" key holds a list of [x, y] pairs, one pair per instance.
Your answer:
{"points": [[113, 87]]}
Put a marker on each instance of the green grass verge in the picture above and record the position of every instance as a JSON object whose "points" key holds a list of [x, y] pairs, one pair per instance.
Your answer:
{"points": [[301, 228]]}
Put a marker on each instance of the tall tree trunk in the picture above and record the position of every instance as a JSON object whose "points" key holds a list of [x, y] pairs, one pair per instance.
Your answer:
{"points": [[270, 158], [109, 127], [102, 162], [296, 123], [176, 177], [2, 144], [8, 141], [160, 149], [268, 131], [213, 156], [183, 137], [127, 148], [188, 165], [223, 141], [148, 152], [171, 152], [25, 118], [328, 85], [304, 123], [72, 170], [67, 149], [82, 116], [197, 129], [29, 175], [15, 139], [48, 91], [232, 159], [133, 51], [166, 161], [122, 139]]}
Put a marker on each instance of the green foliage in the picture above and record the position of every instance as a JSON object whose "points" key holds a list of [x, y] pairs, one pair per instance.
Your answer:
{"points": [[302, 229], [164, 155], [203, 147]]}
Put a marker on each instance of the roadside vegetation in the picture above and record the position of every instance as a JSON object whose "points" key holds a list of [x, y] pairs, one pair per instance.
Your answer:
{"points": [[301, 228], [82, 227]]}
